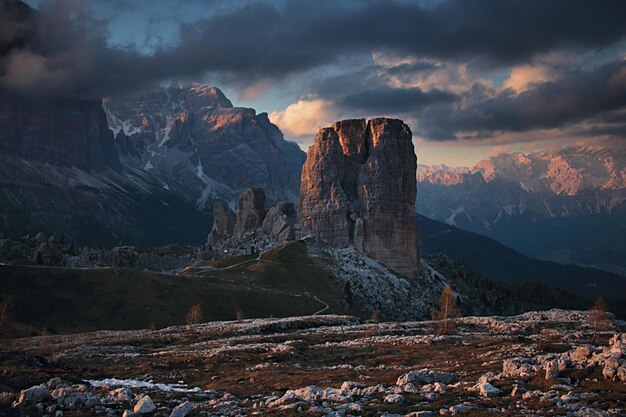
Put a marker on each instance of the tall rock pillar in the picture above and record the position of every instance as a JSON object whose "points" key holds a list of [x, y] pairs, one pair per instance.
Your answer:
{"points": [[359, 188]]}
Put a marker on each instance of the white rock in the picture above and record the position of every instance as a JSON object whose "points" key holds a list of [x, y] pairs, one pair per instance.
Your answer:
{"points": [[144, 405], [33, 394], [394, 399], [485, 389], [460, 409], [440, 388], [182, 409], [425, 376]]}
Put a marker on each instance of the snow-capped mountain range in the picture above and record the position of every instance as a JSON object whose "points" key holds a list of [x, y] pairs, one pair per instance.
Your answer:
{"points": [[568, 205]]}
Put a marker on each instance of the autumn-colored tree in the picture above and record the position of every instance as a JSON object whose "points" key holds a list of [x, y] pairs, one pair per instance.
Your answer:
{"points": [[194, 315], [599, 317], [239, 315], [376, 315], [448, 310], [6, 307]]}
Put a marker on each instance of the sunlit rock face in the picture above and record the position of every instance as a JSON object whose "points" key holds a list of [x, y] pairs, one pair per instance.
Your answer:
{"points": [[195, 141], [358, 188]]}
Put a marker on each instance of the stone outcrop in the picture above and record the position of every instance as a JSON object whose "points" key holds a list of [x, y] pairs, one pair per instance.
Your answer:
{"points": [[250, 211], [256, 228], [359, 187], [223, 224], [280, 222]]}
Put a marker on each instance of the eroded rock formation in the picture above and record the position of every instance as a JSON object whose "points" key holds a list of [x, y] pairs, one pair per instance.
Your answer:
{"points": [[358, 188], [250, 211], [256, 228], [223, 224]]}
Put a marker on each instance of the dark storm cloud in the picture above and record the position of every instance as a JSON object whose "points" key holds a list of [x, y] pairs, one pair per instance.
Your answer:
{"points": [[260, 40], [387, 100], [579, 97]]}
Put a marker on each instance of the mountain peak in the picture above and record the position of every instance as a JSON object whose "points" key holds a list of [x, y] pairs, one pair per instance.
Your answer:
{"points": [[213, 92]]}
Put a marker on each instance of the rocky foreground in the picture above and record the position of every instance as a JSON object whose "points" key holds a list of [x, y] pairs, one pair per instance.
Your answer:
{"points": [[538, 363]]}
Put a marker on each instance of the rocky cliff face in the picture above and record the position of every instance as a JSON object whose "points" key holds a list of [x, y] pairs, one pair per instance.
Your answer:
{"points": [[69, 133], [193, 139], [358, 188]]}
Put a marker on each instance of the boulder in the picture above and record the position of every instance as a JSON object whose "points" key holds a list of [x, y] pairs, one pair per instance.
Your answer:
{"points": [[182, 409], [144, 405], [394, 399], [485, 389], [425, 376], [358, 188], [279, 223], [33, 394]]}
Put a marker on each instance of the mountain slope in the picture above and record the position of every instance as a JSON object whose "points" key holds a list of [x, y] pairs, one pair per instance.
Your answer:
{"points": [[497, 262], [567, 206], [193, 138], [62, 171]]}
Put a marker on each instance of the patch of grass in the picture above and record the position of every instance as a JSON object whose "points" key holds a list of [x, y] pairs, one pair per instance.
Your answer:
{"points": [[76, 300]]}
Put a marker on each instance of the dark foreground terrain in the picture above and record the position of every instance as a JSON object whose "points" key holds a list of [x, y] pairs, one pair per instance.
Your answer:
{"points": [[537, 363]]}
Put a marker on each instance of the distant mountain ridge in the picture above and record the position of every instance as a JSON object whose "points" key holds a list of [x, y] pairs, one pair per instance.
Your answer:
{"points": [[567, 206], [194, 136], [149, 180]]}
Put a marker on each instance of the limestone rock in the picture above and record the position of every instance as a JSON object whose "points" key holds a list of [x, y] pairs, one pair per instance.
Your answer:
{"points": [[280, 221], [223, 224], [33, 394], [485, 389], [425, 376], [394, 399], [250, 211], [358, 170], [182, 409], [144, 405]]}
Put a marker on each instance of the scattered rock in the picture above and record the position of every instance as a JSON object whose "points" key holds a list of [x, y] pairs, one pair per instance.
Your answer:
{"points": [[394, 399], [144, 405], [33, 394], [485, 389], [426, 376], [182, 410]]}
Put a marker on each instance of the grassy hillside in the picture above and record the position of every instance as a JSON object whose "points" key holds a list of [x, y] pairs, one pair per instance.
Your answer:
{"points": [[497, 262], [72, 300]]}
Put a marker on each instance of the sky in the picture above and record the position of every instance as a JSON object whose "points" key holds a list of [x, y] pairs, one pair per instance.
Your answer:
{"points": [[471, 78]]}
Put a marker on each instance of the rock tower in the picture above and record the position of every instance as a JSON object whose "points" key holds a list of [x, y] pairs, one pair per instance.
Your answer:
{"points": [[358, 188]]}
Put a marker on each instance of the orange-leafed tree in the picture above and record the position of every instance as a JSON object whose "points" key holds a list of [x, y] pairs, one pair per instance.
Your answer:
{"points": [[194, 315], [599, 317], [447, 311]]}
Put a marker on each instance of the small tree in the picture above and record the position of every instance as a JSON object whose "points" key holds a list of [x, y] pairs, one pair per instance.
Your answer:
{"points": [[43, 342], [239, 315], [194, 315], [6, 307], [447, 311], [599, 317], [376, 315]]}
